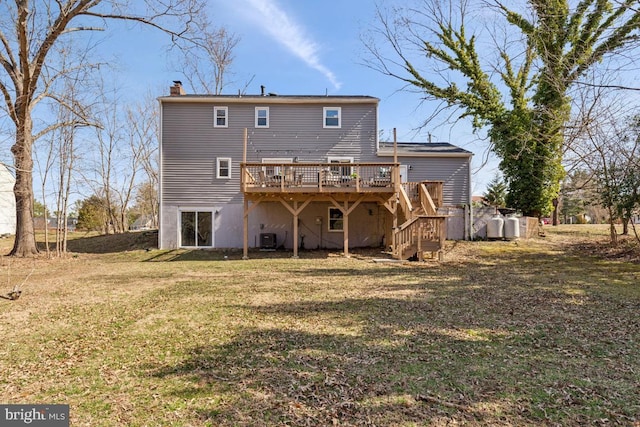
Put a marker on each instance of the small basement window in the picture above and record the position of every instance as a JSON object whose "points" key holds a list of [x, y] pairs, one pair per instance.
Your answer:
{"points": [[335, 222]]}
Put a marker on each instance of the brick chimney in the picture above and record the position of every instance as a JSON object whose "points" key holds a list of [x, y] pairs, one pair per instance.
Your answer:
{"points": [[176, 89]]}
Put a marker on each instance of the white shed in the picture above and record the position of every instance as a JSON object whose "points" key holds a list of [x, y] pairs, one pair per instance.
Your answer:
{"points": [[7, 201]]}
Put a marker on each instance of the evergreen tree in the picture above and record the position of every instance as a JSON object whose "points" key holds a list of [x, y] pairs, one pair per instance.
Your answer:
{"points": [[496, 192]]}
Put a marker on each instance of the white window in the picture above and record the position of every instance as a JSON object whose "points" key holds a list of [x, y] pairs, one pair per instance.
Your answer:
{"points": [[262, 117], [220, 117], [332, 117], [223, 167], [341, 170], [196, 229], [274, 169], [335, 222]]}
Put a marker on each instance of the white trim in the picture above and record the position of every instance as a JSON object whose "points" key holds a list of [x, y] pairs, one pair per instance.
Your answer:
{"points": [[218, 161], [276, 169], [182, 209], [342, 161], [324, 117], [404, 177], [258, 126], [334, 230], [215, 117], [271, 100]]}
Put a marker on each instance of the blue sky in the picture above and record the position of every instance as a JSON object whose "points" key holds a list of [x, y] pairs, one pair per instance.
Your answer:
{"points": [[295, 47]]}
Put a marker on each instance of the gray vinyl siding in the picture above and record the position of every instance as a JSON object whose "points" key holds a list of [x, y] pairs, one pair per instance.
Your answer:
{"points": [[191, 144], [454, 171]]}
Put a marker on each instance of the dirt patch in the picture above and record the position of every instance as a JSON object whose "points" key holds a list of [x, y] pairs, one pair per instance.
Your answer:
{"points": [[112, 243]]}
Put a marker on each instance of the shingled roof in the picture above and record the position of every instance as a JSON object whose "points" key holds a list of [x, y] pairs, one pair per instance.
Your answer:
{"points": [[423, 149]]}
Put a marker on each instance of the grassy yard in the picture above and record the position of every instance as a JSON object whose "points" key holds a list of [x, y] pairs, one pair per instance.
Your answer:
{"points": [[538, 332]]}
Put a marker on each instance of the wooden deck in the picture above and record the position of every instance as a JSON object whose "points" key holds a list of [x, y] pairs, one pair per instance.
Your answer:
{"points": [[346, 185], [276, 178]]}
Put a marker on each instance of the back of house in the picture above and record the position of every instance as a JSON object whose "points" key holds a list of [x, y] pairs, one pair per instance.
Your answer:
{"points": [[203, 146], [295, 172]]}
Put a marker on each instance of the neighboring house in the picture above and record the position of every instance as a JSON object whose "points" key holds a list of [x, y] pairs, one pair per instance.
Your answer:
{"points": [[299, 172], [7, 201], [479, 201]]}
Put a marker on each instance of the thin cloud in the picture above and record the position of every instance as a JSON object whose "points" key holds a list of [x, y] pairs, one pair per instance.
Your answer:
{"points": [[291, 35]]}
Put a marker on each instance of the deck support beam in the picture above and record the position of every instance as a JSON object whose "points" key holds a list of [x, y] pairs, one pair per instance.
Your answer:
{"points": [[295, 211], [346, 210]]}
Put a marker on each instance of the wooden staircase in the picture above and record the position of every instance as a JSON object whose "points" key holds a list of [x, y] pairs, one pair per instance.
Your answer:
{"points": [[423, 230]]}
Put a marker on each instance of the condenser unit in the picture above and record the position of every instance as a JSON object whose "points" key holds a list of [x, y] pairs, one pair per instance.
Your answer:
{"points": [[268, 241]]}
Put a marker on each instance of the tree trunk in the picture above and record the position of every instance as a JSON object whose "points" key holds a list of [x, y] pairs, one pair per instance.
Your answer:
{"points": [[612, 228], [25, 241], [555, 212]]}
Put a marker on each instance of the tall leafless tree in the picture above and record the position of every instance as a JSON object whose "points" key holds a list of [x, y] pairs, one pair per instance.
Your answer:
{"points": [[142, 120], [206, 64], [57, 154], [29, 33], [602, 145]]}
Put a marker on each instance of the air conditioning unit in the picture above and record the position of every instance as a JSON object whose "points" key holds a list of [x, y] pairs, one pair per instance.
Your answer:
{"points": [[268, 241]]}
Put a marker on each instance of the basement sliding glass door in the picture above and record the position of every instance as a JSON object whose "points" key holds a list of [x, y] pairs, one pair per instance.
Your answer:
{"points": [[196, 229]]}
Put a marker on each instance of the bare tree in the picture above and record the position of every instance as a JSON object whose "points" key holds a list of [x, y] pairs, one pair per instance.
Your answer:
{"points": [[44, 168], [71, 113], [512, 79], [205, 64], [126, 155], [603, 147], [142, 119], [29, 31]]}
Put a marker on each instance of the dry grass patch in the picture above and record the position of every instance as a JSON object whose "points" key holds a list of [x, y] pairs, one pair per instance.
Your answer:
{"points": [[529, 333]]}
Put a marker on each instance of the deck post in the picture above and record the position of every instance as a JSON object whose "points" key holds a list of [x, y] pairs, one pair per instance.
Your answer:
{"points": [[243, 165], [295, 229], [245, 250], [345, 228], [396, 186], [244, 151], [420, 231]]}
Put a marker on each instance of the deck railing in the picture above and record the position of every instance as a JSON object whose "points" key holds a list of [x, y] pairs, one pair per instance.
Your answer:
{"points": [[434, 188], [305, 177], [421, 234]]}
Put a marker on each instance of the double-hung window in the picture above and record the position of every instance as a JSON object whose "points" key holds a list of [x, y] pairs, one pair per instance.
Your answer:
{"points": [[220, 117], [223, 167], [332, 117], [262, 117]]}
